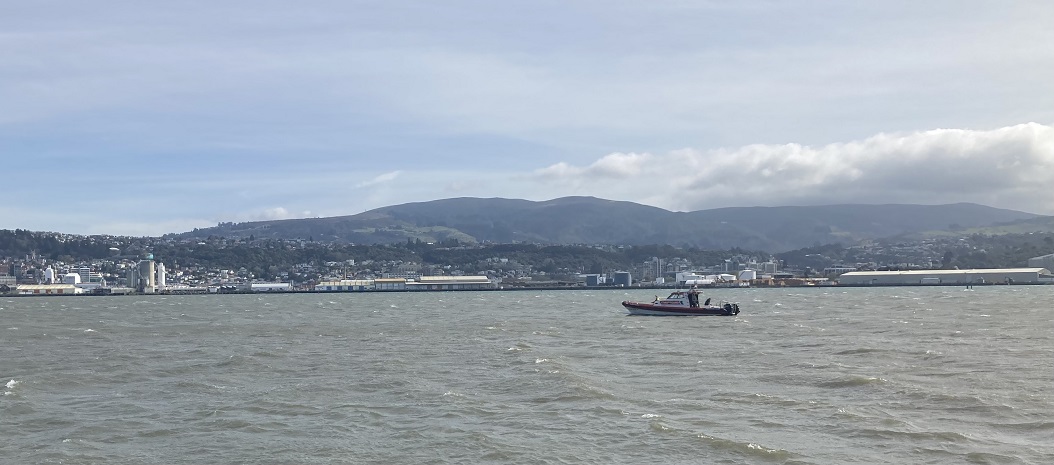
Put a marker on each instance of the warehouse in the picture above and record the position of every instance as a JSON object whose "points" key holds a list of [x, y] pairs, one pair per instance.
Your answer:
{"points": [[48, 289], [947, 277], [450, 283]]}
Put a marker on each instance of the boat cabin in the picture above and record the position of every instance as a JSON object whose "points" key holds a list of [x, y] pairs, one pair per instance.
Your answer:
{"points": [[682, 298]]}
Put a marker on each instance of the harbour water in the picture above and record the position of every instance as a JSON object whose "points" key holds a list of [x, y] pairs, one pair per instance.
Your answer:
{"points": [[801, 376]]}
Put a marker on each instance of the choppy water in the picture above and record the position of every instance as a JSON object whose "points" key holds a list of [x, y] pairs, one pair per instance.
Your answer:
{"points": [[821, 376]]}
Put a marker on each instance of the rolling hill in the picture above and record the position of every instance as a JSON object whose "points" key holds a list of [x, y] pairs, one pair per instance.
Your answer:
{"points": [[588, 220]]}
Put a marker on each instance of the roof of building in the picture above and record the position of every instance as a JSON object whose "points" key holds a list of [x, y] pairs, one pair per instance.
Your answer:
{"points": [[41, 287], [347, 282], [948, 272], [451, 279]]}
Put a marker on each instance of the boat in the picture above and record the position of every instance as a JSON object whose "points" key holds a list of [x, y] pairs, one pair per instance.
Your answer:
{"points": [[681, 303]]}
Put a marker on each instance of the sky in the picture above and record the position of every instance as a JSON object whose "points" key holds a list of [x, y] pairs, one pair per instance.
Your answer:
{"points": [[145, 118]]}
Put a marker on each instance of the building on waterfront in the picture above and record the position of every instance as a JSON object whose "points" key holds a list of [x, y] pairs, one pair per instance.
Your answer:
{"points": [[450, 283], [947, 277], [162, 282], [142, 276], [270, 287], [593, 280], [390, 284], [837, 270], [345, 285], [424, 283], [48, 289]]}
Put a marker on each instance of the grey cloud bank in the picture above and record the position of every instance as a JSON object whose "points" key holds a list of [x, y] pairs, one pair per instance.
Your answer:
{"points": [[1011, 167]]}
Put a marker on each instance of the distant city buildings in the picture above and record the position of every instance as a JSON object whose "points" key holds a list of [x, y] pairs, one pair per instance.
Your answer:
{"points": [[130, 267]]}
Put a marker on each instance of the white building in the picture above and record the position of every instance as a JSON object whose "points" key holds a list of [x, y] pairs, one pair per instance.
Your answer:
{"points": [[48, 289], [450, 283], [345, 285], [947, 277], [270, 287], [162, 282]]}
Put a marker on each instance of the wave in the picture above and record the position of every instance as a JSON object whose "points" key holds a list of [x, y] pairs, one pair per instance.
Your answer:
{"points": [[942, 437], [749, 450], [852, 381], [861, 350]]}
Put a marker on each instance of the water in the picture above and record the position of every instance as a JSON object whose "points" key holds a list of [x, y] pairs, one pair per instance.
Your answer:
{"points": [[803, 376]]}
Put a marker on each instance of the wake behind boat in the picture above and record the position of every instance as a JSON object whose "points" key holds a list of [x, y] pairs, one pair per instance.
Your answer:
{"points": [[681, 303]]}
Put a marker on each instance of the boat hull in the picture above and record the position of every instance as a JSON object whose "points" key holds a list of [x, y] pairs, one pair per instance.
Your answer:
{"points": [[641, 308]]}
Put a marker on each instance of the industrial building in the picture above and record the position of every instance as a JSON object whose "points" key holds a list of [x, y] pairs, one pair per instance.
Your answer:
{"points": [[270, 287], [947, 277], [449, 283], [48, 289], [423, 283], [345, 285]]}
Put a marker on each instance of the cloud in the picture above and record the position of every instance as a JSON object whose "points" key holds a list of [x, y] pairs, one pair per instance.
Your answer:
{"points": [[1009, 167], [276, 213], [380, 179]]}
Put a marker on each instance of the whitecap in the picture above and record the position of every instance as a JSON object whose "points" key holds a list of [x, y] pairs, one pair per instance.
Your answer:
{"points": [[541, 360], [11, 384], [651, 415], [89, 330]]}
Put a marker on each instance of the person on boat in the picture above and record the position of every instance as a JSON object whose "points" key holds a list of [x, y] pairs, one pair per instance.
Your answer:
{"points": [[707, 302]]}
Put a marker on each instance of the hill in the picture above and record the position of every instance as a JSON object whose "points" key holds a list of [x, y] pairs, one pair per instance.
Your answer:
{"points": [[588, 220]]}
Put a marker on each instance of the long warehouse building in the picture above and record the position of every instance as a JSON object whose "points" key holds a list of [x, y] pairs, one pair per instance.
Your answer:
{"points": [[947, 277]]}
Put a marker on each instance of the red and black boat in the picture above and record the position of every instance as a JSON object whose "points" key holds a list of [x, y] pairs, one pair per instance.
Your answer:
{"points": [[683, 303]]}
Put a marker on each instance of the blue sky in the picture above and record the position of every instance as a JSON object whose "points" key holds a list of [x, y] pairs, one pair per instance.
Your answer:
{"points": [[143, 118]]}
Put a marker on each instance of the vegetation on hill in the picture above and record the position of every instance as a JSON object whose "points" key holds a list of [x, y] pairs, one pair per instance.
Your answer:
{"points": [[587, 220]]}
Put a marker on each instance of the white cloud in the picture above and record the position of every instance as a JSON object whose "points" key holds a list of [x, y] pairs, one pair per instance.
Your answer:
{"points": [[1010, 167], [276, 213], [380, 179]]}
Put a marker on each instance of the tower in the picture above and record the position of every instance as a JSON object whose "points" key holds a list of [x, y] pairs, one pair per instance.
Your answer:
{"points": [[147, 275], [161, 281]]}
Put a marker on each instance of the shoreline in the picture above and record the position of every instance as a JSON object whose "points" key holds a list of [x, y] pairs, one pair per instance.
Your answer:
{"points": [[524, 288]]}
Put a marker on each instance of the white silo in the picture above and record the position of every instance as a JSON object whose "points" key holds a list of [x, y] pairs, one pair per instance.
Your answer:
{"points": [[748, 275], [161, 275], [49, 275]]}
